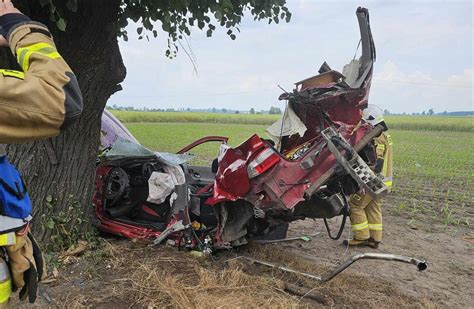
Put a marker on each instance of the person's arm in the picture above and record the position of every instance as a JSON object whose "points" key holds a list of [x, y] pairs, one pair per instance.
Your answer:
{"points": [[44, 98], [381, 148]]}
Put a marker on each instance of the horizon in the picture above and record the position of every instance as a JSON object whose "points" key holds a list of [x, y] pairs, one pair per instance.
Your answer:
{"points": [[219, 110]]}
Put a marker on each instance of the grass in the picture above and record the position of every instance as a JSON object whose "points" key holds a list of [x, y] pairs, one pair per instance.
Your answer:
{"points": [[166, 278], [433, 172], [431, 123], [434, 154], [433, 169], [425, 123]]}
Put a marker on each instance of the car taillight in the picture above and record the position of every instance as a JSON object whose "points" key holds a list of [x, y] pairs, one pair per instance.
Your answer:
{"points": [[265, 160]]}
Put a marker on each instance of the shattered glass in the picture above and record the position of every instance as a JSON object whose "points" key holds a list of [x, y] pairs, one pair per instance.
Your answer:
{"points": [[174, 158], [125, 148]]}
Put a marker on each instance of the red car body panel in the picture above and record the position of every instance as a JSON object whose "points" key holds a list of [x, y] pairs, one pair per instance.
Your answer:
{"points": [[232, 181], [203, 140]]}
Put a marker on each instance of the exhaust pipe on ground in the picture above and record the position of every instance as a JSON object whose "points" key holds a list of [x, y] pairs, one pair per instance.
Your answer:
{"points": [[420, 264]]}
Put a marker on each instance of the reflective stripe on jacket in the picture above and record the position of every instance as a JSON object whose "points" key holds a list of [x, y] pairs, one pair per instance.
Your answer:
{"points": [[384, 147], [44, 98]]}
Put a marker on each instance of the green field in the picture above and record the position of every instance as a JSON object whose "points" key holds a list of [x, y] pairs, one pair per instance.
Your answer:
{"points": [[431, 123], [127, 117], [434, 170], [434, 175], [171, 137]]}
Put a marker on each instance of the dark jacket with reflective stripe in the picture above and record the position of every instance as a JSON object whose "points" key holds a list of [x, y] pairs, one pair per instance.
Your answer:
{"points": [[44, 98]]}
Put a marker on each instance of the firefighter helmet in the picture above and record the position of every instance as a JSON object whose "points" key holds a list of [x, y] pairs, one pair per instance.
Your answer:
{"points": [[373, 115]]}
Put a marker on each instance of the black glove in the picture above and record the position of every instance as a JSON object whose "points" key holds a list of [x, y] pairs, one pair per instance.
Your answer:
{"points": [[33, 275], [26, 266], [378, 166]]}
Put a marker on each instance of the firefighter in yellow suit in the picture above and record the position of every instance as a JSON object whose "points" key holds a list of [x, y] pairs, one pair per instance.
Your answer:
{"points": [[37, 102], [366, 212]]}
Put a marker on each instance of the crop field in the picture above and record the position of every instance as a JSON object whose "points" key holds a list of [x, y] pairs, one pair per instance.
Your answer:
{"points": [[127, 117], [424, 123], [434, 174]]}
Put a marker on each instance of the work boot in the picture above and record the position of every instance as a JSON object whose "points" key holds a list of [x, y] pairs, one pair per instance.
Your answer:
{"points": [[372, 243], [355, 242]]}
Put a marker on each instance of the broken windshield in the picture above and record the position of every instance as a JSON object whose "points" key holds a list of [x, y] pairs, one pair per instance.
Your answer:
{"points": [[126, 148]]}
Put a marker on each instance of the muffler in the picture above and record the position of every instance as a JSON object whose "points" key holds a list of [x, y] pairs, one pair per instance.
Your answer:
{"points": [[420, 264]]}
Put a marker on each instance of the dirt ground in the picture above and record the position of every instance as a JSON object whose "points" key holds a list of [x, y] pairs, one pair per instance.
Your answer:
{"points": [[125, 274], [449, 279]]}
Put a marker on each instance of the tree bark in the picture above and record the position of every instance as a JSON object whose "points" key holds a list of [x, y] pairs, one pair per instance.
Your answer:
{"points": [[59, 172]]}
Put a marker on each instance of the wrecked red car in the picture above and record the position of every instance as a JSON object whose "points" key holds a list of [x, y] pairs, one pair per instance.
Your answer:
{"points": [[316, 155]]}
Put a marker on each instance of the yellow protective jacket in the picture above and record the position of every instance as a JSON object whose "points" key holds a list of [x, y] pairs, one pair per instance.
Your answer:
{"points": [[384, 148], [44, 98]]}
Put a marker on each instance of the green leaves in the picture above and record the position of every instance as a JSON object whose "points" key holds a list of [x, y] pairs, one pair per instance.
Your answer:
{"points": [[55, 14], [179, 17], [72, 5], [165, 26], [61, 24], [50, 224], [201, 24]]}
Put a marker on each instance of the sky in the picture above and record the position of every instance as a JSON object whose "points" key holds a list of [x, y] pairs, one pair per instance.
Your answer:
{"points": [[424, 58]]}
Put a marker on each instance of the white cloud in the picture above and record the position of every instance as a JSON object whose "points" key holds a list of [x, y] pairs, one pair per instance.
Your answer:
{"points": [[414, 91], [464, 80], [391, 73]]}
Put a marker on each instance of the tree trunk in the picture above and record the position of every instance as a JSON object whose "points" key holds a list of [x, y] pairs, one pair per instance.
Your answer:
{"points": [[59, 172]]}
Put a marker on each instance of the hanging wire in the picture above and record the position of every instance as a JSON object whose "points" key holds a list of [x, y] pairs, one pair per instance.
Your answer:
{"points": [[357, 49]]}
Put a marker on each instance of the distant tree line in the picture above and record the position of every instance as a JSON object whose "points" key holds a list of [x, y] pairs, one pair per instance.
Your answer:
{"points": [[431, 112], [273, 110]]}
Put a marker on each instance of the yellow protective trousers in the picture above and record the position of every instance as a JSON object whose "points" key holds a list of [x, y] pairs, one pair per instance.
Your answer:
{"points": [[5, 284], [366, 217]]}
